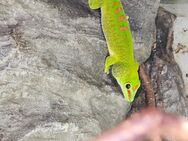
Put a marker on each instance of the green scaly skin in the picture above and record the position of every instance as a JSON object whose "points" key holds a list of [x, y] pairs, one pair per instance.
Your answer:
{"points": [[119, 39]]}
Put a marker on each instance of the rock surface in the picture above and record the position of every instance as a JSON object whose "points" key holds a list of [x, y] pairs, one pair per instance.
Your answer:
{"points": [[179, 47], [180, 44], [51, 69], [165, 72]]}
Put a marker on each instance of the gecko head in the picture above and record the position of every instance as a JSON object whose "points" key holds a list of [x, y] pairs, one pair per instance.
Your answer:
{"points": [[130, 88], [128, 79]]}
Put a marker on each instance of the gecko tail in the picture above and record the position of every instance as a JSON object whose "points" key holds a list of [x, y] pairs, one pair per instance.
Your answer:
{"points": [[95, 4]]}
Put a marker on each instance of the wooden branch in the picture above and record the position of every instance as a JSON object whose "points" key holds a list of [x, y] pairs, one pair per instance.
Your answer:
{"points": [[148, 124], [147, 85]]}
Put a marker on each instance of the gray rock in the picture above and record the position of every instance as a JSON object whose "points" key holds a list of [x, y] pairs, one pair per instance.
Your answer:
{"points": [[180, 44], [51, 67], [180, 48], [165, 72], [176, 97]]}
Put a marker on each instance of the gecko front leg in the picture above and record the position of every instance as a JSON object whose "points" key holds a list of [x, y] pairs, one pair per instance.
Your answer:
{"points": [[108, 63]]}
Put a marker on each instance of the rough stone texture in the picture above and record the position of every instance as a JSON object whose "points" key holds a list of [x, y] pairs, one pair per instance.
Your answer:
{"points": [[167, 64], [51, 69], [163, 69], [179, 8], [180, 44], [174, 2], [180, 47]]}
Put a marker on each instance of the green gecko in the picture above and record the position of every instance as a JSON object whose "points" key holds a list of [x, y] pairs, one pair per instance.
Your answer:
{"points": [[119, 39]]}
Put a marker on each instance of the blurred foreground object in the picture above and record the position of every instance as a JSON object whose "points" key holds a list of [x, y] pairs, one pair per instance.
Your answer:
{"points": [[150, 124]]}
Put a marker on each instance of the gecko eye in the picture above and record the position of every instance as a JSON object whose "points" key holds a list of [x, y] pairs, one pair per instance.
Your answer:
{"points": [[128, 86]]}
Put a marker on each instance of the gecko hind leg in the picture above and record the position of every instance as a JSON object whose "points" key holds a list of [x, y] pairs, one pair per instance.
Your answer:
{"points": [[108, 63]]}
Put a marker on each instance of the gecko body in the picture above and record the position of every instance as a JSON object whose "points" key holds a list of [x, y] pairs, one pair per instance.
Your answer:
{"points": [[119, 39]]}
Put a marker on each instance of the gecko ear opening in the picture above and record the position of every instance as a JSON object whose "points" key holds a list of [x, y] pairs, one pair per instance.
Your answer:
{"points": [[95, 4]]}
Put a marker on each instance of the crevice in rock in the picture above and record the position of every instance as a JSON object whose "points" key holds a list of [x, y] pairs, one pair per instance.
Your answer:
{"points": [[164, 72]]}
